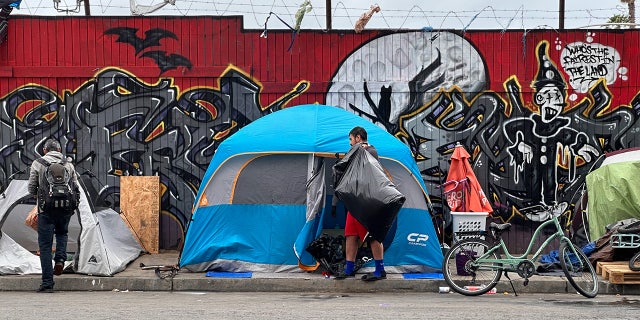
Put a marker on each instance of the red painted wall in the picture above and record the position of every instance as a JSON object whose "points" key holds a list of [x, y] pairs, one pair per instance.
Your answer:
{"points": [[74, 77], [76, 48]]}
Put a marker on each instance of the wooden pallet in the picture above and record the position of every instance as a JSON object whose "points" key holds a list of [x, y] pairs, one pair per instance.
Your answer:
{"points": [[600, 264], [618, 272]]}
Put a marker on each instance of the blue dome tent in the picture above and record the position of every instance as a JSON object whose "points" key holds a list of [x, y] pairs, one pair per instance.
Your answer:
{"points": [[263, 197]]}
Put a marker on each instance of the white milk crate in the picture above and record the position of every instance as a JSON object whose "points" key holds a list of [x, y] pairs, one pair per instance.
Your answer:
{"points": [[468, 221]]}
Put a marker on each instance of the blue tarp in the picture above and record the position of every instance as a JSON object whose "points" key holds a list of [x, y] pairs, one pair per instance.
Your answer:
{"points": [[554, 256], [213, 274]]}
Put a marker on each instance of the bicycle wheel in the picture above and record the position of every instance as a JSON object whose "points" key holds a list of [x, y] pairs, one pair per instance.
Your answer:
{"points": [[634, 263], [462, 275], [579, 271]]}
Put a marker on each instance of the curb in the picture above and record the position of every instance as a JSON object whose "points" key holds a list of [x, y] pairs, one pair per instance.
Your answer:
{"points": [[134, 278], [303, 283]]}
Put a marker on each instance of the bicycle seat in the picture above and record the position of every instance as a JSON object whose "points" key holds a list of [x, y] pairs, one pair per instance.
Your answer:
{"points": [[500, 226]]}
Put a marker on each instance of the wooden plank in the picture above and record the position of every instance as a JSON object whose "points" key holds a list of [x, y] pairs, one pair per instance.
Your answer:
{"points": [[140, 204], [619, 273], [601, 264], [624, 277], [605, 273]]}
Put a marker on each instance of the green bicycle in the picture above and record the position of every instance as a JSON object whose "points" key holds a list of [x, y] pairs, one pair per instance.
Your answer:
{"points": [[473, 266]]}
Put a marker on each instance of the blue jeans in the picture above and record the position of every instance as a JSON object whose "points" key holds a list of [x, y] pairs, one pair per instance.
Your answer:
{"points": [[47, 227]]}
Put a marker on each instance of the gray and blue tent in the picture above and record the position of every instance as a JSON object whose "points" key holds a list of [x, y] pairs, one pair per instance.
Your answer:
{"points": [[265, 193]]}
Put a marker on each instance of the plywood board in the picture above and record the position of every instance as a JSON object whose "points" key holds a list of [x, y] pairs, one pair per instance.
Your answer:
{"points": [[140, 205]]}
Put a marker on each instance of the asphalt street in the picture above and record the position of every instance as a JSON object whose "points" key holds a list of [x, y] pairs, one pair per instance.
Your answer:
{"points": [[134, 305]]}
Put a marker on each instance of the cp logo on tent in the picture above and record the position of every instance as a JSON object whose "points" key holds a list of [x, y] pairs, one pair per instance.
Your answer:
{"points": [[417, 239]]}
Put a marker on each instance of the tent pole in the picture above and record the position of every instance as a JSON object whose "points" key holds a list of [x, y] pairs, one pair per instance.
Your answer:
{"points": [[444, 220]]}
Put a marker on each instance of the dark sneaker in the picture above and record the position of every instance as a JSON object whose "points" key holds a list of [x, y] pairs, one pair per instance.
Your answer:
{"points": [[342, 276], [44, 289], [373, 277], [58, 267]]}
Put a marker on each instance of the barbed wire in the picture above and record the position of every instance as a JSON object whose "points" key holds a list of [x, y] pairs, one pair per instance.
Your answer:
{"points": [[103, 8], [384, 17], [341, 11], [402, 12], [345, 9]]}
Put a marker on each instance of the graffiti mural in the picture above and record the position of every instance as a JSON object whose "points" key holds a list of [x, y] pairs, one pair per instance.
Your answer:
{"points": [[588, 63], [537, 110], [396, 74], [527, 152], [119, 125]]}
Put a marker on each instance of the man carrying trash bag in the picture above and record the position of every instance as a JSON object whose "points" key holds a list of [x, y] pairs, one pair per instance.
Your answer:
{"points": [[372, 201]]}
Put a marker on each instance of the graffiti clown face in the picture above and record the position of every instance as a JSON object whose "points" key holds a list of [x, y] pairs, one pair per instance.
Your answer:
{"points": [[551, 100]]}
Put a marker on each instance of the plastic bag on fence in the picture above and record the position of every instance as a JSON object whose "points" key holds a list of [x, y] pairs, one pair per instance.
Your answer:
{"points": [[361, 184], [32, 219]]}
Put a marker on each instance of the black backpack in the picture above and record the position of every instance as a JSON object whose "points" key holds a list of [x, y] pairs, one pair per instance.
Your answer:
{"points": [[57, 193]]}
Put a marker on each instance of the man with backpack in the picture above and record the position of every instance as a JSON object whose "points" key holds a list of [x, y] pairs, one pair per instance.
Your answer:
{"points": [[54, 182]]}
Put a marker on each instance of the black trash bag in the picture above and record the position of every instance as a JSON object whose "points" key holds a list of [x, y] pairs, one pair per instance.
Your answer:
{"points": [[361, 184], [329, 252]]}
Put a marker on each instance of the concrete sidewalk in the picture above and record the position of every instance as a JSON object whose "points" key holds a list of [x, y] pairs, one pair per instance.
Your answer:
{"points": [[134, 278]]}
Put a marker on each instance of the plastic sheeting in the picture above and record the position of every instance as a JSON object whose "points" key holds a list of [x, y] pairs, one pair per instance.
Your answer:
{"points": [[614, 195], [367, 192]]}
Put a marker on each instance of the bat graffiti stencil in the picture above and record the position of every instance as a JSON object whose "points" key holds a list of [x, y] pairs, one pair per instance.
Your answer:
{"points": [[152, 37], [166, 61]]}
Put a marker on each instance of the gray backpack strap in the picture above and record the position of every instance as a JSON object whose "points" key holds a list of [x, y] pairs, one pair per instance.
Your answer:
{"points": [[43, 162]]}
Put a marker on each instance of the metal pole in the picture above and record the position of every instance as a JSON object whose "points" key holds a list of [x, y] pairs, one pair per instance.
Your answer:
{"points": [[561, 16], [328, 14], [87, 8]]}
